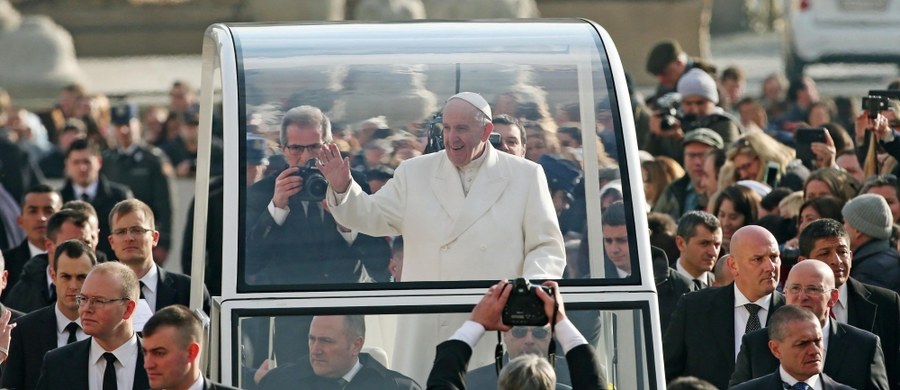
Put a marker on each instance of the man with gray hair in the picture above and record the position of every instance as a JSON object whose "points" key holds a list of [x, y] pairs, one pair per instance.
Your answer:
{"points": [[462, 209], [868, 221], [295, 241], [795, 338]]}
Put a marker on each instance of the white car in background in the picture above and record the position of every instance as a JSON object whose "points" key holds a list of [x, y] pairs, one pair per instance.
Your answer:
{"points": [[831, 31]]}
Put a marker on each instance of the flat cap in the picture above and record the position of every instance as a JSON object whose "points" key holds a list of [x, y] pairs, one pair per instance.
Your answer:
{"points": [[704, 136]]}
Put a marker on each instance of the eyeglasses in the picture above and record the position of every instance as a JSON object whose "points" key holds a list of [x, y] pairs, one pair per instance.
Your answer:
{"points": [[83, 300], [134, 231], [298, 149], [538, 333], [810, 291]]}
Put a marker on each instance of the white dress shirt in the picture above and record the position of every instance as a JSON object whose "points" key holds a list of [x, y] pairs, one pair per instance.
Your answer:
{"points": [[151, 282], [90, 190], [741, 315], [126, 364], [198, 383], [813, 381], [840, 307], [62, 335], [34, 251], [703, 278]]}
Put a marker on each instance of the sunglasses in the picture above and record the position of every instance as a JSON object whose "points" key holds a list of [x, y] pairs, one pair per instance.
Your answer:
{"points": [[538, 333]]}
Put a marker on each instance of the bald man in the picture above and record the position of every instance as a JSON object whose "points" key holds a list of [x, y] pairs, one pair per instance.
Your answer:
{"points": [[852, 356], [706, 329]]}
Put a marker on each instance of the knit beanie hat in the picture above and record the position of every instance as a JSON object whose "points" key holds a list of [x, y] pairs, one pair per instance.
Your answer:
{"points": [[870, 214], [696, 82]]}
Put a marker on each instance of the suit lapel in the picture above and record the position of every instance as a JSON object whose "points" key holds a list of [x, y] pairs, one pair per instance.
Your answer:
{"points": [[79, 372], [165, 291], [777, 301], [487, 188], [723, 321], [141, 381], [860, 310], [837, 348], [48, 331]]}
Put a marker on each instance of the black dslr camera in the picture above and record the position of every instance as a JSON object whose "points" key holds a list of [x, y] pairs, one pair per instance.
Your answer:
{"points": [[873, 105], [668, 108], [314, 183], [524, 307]]}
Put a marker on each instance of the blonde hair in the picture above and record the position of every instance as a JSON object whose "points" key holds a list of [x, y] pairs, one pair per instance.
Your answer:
{"points": [[527, 372], [756, 144]]}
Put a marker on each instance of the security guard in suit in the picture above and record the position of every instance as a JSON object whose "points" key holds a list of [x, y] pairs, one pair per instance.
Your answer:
{"points": [[143, 168]]}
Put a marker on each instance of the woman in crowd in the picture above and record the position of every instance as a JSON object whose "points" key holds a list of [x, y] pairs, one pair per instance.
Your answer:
{"points": [[736, 206], [752, 153], [813, 210], [658, 173], [830, 181]]}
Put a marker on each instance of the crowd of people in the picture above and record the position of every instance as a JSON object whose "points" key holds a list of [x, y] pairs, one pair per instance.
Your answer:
{"points": [[744, 218]]}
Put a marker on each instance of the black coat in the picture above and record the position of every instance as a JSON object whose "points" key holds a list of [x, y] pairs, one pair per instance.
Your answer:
{"points": [[67, 368], [108, 194], [700, 338], [175, 289], [485, 377], [452, 357], [301, 251], [372, 376], [33, 337], [210, 385], [773, 382], [14, 261], [877, 310], [147, 173], [31, 292], [853, 357], [877, 263]]}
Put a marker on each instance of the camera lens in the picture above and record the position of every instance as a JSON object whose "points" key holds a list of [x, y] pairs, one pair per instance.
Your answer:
{"points": [[316, 186]]}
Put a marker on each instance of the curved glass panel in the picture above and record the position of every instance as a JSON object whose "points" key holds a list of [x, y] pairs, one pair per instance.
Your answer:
{"points": [[382, 85], [306, 349]]}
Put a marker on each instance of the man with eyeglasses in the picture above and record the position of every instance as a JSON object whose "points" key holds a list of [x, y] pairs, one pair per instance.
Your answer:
{"points": [[519, 341], [133, 238], [852, 356], [36, 288], [52, 326], [111, 358], [687, 194], [293, 241], [864, 306]]}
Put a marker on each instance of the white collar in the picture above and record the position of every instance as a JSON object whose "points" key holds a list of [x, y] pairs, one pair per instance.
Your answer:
{"points": [[151, 279], [704, 277], [741, 300], [123, 352], [813, 381], [90, 190], [62, 321], [842, 296], [353, 371], [34, 251], [476, 163], [198, 383]]}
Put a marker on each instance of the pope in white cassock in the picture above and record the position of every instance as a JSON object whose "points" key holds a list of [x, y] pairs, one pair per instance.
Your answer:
{"points": [[468, 212]]}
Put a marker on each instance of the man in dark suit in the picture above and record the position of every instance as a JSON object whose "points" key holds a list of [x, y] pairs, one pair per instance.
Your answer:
{"points": [[699, 238], [35, 288], [705, 332], [852, 356], [796, 340], [519, 340], [39, 203], [171, 347], [84, 182], [132, 239], [107, 303], [867, 307], [17, 173], [293, 241], [145, 169], [334, 354], [52, 326], [449, 369]]}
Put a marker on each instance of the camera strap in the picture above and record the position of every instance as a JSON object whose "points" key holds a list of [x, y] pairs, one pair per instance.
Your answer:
{"points": [[498, 354]]}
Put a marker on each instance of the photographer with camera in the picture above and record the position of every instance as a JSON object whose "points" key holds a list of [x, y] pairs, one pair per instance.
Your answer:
{"points": [[291, 237], [880, 117], [692, 107], [525, 371]]}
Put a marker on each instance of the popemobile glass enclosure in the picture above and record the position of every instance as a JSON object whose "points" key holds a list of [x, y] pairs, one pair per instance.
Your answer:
{"points": [[386, 83]]}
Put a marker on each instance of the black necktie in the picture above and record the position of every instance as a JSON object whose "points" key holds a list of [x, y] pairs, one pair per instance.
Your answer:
{"points": [[142, 285], [698, 284], [85, 197], [752, 322], [314, 216], [72, 328], [52, 292], [109, 374]]}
